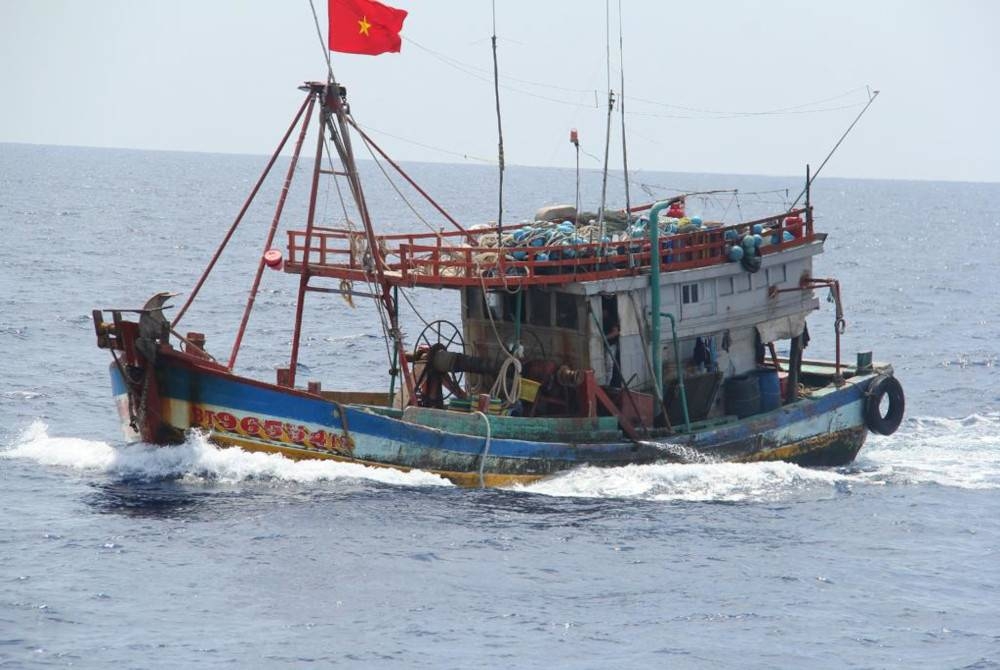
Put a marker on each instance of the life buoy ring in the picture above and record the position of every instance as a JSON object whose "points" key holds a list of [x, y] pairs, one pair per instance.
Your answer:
{"points": [[880, 387]]}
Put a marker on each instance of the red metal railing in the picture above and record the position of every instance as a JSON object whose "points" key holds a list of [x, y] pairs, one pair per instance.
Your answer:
{"points": [[442, 259]]}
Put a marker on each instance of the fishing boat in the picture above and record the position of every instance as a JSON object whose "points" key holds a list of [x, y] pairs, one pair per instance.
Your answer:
{"points": [[578, 342]]}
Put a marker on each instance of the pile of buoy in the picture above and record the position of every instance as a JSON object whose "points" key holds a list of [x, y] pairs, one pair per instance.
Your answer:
{"points": [[544, 234], [522, 239]]}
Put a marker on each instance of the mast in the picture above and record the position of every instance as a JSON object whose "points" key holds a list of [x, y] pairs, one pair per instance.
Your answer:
{"points": [[334, 105], [310, 220], [611, 107], [496, 95], [621, 108]]}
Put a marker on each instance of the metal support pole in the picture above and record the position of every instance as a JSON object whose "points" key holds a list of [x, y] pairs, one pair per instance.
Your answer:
{"points": [[680, 370], [395, 356], [794, 369], [304, 276], [270, 233], [654, 288]]}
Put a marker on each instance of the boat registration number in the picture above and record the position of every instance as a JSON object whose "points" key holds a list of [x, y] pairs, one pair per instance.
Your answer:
{"points": [[271, 429]]}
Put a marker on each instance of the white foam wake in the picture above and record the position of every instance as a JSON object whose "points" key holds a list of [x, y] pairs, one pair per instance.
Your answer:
{"points": [[196, 459], [960, 453], [717, 482]]}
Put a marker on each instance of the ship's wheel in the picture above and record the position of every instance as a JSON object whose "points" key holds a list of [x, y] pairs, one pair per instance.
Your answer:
{"points": [[432, 386]]}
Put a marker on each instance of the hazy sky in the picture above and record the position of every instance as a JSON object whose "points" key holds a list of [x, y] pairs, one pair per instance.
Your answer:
{"points": [[221, 76]]}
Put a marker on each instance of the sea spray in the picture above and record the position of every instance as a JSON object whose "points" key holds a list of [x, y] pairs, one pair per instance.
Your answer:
{"points": [[195, 459]]}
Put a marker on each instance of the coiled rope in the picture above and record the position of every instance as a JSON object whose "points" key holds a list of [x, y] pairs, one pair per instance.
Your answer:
{"points": [[506, 389]]}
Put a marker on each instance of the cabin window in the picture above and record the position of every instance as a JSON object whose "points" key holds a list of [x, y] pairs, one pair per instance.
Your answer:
{"points": [[776, 275], [566, 312], [540, 308], [689, 294], [726, 286]]}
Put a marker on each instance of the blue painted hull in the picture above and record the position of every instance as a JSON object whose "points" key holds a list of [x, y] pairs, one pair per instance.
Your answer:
{"points": [[828, 429]]}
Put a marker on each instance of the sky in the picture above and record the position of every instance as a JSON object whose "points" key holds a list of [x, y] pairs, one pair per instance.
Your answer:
{"points": [[752, 87]]}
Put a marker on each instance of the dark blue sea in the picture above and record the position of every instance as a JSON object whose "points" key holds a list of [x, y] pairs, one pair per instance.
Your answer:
{"points": [[118, 556]]}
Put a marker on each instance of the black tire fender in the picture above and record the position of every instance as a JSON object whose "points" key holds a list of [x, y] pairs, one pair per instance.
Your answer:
{"points": [[881, 386]]}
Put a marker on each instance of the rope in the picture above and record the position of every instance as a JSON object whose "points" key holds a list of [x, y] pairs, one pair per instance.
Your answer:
{"points": [[336, 183], [379, 307], [645, 347], [395, 188], [486, 449], [489, 313], [511, 392], [413, 307], [508, 391]]}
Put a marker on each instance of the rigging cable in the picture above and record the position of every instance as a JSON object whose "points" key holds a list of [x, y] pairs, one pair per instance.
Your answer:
{"points": [[871, 99], [323, 46], [458, 154], [379, 307], [693, 112], [406, 201]]}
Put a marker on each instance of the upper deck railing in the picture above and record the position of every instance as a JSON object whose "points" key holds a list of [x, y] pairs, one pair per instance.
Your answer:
{"points": [[453, 259]]}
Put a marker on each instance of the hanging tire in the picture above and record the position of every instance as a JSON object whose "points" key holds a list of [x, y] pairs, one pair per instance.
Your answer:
{"points": [[880, 387]]}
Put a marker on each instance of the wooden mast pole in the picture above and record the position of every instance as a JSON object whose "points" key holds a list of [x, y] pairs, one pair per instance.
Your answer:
{"points": [[311, 217]]}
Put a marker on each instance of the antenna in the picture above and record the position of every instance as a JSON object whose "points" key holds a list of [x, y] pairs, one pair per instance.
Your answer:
{"points": [[574, 139], [611, 106], [496, 93], [621, 108], [809, 180]]}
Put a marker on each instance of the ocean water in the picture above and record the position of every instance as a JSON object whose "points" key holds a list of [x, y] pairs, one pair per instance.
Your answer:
{"points": [[115, 555]]}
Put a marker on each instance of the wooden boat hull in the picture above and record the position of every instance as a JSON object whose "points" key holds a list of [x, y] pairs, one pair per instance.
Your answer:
{"points": [[192, 394]]}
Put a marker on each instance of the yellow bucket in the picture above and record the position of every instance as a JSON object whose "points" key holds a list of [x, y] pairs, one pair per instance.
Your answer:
{"points": [[529, 390]]}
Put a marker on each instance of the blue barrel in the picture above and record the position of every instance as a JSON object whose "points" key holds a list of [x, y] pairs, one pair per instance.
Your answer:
{"points": [[770, 389], [742, 395]]}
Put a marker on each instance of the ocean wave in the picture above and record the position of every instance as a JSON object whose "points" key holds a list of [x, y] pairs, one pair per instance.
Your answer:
{"points": [[195, 459], [22, 395]]}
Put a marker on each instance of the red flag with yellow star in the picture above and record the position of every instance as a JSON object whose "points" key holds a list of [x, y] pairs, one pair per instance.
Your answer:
{"points": [[364, 27]]}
